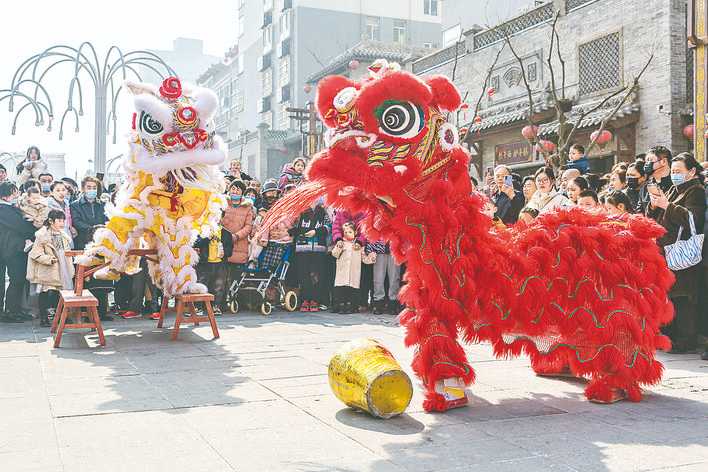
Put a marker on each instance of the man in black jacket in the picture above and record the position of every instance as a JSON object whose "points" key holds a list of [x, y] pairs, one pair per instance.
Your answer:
{"points": [[508, 201], [88, 211], [14, 231]]}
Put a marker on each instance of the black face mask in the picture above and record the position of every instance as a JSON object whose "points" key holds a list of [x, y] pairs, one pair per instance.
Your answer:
{"points": [[633, 182], [648, 168]]}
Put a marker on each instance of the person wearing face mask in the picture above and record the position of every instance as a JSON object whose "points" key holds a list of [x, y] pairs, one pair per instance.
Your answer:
{"points": [[238, 221], [269, 193], [15, 231], [88, 211], [45, 184], [672, 210], [657, 169], [3, 173], [636, 190]]}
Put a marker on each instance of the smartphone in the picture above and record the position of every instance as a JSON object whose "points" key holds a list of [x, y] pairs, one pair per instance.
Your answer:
{"points": [[508, 181], [99, 176], [653, 189], [490, 171]]}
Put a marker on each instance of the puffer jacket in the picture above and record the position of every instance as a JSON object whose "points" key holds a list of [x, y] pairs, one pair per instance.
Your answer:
{"points": [[289, 176], [37, 167], [35, 213], [238, 220], [43, 260]]}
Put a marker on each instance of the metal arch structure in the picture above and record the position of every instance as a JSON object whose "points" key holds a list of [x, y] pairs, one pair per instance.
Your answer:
{"points": [[28, 88]]}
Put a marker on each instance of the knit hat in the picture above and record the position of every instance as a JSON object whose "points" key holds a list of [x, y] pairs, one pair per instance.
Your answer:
{"points": [[269, 185]]}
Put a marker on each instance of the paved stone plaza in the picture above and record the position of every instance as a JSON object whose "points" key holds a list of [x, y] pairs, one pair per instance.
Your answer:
{"points": [[258, 400]]}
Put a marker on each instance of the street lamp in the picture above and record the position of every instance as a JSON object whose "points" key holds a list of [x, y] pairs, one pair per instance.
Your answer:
{"points": [[27, 85]]}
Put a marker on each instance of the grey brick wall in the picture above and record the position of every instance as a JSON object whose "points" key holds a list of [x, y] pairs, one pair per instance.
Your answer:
{"points": [[645, 26]]}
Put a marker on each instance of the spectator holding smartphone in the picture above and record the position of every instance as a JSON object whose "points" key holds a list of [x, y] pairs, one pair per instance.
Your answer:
{"points": [[508, 201]]}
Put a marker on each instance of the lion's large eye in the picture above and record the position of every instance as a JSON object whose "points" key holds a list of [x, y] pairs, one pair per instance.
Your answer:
{"points": [[400, 119], [149, 125]]}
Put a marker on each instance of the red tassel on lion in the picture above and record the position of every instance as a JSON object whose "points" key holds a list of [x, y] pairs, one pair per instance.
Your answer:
{"points": [[579, 294]]}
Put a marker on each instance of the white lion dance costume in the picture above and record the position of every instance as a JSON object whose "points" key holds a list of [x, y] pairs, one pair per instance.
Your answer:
{"points": [[173, 188]]}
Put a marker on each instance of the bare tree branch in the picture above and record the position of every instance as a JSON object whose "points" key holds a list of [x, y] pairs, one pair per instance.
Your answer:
{"points": [[507, 40], [562, 63], [490, 71]]}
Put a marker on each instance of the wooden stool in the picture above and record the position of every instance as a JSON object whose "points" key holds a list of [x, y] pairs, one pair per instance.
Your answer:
{"points": [[71, 304], [190, 299]]}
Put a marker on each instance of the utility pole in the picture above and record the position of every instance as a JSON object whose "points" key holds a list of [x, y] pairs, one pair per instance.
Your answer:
{"points": [[698, 38]]}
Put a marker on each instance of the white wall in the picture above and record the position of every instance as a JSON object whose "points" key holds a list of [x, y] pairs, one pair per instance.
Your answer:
{"points": [[409, 9]]}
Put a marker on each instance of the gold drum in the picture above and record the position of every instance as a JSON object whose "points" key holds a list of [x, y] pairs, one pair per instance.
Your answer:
{"points": [[365, 375]]}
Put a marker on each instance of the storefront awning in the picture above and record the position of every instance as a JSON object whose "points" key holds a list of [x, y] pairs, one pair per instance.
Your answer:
{"points": [[591, 120]]}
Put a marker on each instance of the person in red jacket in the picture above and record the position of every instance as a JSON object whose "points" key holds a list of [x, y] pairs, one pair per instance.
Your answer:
{"points": [[238, 220]]}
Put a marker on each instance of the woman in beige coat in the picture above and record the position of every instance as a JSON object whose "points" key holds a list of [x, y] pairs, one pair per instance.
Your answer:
{"points": [[47, 266], [350, 255]]}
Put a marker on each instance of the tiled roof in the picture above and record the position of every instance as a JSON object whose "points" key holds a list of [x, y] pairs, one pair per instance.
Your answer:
{"points": [[518, 111], [370, 51]]}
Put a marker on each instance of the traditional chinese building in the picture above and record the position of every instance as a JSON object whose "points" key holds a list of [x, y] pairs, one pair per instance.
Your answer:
{"points": [[604, 44]]}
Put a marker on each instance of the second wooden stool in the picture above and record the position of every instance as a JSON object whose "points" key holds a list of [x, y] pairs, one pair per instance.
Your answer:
{"points": [[71, 304], [188, 300]]}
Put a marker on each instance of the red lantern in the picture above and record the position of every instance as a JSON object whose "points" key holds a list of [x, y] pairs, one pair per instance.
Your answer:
{"points": [[307, 88], [491, 91], [353, 64], [529, 132], [477, 120], [546, 147], [689, 131], [465, 106], [601, 138]]}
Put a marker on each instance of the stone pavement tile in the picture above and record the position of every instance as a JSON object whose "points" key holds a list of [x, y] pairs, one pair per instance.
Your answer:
{"points": [[59, 364], [631, 455], [147, 441], [313, 447], [281, 368], [525, 464], [42, 458], [295, 387], [21, 377], [135, 398], [206, 388], [277, 436], [696, 467], [21, 409]]}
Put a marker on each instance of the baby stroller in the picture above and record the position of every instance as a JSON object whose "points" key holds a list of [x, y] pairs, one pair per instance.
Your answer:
{"points": [[267, 274]]}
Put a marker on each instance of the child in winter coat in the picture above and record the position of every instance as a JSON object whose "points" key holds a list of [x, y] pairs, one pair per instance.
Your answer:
{"points": [[47, 266], [34, 207], [350, 255], [292, 173]]}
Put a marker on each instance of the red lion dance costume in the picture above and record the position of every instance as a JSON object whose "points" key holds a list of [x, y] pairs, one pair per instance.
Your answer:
{"points": [[577, 292]]}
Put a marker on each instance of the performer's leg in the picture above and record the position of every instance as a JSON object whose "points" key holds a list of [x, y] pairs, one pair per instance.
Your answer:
{"points": [[439, 359]]}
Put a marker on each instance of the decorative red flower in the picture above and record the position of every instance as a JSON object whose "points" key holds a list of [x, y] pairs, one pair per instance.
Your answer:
{"points": [[171, 88]]}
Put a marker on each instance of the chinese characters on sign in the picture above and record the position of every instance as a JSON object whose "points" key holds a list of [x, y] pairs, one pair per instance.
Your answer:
{"points": [[512, 153]]}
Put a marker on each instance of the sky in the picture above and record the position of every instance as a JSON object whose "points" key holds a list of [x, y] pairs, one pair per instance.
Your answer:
{"points": [[129, 24]]}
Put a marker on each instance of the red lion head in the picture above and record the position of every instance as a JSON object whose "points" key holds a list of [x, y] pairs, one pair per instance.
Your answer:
{"points": [[388, 141]]}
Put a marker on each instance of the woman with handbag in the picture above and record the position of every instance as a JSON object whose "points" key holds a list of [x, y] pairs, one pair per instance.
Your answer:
{"points": [[682, 212]]}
